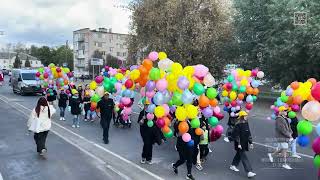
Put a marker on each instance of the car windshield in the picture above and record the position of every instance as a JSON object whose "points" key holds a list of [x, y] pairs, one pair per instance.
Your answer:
{"points": [[28, 76]]}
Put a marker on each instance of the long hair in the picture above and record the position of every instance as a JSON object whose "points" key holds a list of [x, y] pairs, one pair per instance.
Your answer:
{"points": [[42, 102]]}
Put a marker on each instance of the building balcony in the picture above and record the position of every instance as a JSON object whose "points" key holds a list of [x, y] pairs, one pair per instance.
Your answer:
{"points": [[81, 39], [80, 56], [80, 65]]}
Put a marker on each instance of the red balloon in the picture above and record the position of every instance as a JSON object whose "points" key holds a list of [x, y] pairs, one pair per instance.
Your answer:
{"points": [[218, 115], [315, 91], [45, 75], [38, 74], [128, 83], [92, 109], [233, 103], [58, 69], [249, 106], [121, 106], [226, 104], [229, 86]]}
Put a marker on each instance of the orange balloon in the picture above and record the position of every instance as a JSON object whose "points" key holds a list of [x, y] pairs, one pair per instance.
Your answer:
{"points": [[294, 85], [290, 100], [249, 90], [196, 80], [255, 91], [65, 82], [143, 82], [213, 102], [224, 86], [240, 96], [143, 71], [183, 127], [204, 101], [147, 63], [310, 98], [297, 100], [199, 131], [313, 81], [167, 121], [93, 105], [166, 129]]}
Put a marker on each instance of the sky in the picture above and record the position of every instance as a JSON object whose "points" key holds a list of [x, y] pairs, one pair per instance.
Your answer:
{"points": [[51, 22]]}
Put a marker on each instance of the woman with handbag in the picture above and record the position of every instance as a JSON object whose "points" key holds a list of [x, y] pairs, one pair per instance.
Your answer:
{"points": [[40, 123]]}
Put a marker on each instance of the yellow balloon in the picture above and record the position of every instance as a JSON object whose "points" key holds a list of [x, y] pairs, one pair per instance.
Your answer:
{"points": [[188, 71], [244, 82], [119, 76], [176, 68], [247, 73], [93, 85], [135, 74], [225, 93], [159, 111], [162, 73], [233, 95], [191, 82], [192, 111], [162, 55], [241, 72], [181, 113]]}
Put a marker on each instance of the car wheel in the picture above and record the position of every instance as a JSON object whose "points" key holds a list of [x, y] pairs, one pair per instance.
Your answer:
{"points": [[22, 93], [14, 92]]}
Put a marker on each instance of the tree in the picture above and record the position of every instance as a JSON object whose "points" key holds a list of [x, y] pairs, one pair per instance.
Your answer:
{"points": [[17, 62], [63, 54], [190, 31], [112, 61], [27, 62]]}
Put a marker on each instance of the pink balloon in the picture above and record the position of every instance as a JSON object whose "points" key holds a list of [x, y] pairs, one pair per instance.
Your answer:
{"points": [[118, 86], [125, 117], [166, 108], [153, 56], [162, 84], [143, 91], [216, 109], [272, 107], [186, 137], [160, 123], [150, 116], [125, 100], [295, 108], [200, 70], [128, 110], [99, 79], [218, 129], [316, 145], [150, 94]]}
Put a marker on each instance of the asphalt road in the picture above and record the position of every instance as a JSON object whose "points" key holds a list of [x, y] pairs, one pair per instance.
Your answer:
{"points": [[80, 153]]}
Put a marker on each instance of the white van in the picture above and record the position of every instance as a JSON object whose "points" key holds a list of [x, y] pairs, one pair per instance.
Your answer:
{"points": [[23, 81]]}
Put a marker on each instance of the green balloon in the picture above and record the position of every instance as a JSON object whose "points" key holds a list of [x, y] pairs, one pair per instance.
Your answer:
{"points": [[213, 121], [106, 80], [150, 123], [113, 80], [316, 161], [177, 99], [234, 87], [168, 135], [51, 65], [304, 127], [195, 123], [292, 114], [254, 98], [284, 98], [170, 103], [95, 98], [230, 78], [211, 93], [41, 70], [242, 89], [107, 86], [155, 74], [198, 89]]}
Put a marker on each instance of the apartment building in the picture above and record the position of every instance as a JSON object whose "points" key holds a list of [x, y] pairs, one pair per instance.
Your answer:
{"points": [[86, 42], [7, 59]]}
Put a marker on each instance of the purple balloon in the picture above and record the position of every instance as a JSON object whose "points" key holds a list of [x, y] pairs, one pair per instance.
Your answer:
{"points": [[133, 67], [150, 85], [207, 112], [218, 129], [183, 83]]}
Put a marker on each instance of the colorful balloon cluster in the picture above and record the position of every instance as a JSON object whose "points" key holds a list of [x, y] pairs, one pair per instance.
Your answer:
{"points": [[308, 95], [239, 87], [53, 77]]}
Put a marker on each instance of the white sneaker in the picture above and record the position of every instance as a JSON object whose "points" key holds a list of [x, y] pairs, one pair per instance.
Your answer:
{"points": [[143, 161], [226, 139], [73, 126], [63, 118], [270, 157], [78, 126], [286, 166], [233, 168], [149, 162], [251, 174], [210, 151], [296, 156], [43, 152]]}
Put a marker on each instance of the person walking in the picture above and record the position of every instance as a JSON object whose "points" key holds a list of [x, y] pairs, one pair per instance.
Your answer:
{"points": [[231, 124], [1, 78], [242, 142], [293, 124], [87, 105], [40, 123], [283, 135], [149, 135], [62, 103], [51, 96], [75, 104], [185, 153], [106, 106], [203, 145]]}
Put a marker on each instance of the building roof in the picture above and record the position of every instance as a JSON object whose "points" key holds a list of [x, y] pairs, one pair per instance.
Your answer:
{"points": [[22, 56], [101, 30]]}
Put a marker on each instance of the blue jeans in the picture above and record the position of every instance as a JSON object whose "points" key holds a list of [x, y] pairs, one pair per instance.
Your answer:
{"points": [[294, 147], [62, 110], [76, 120]]}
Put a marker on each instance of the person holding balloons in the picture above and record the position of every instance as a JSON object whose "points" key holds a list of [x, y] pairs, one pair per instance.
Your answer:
{"points": [[283, 136], [86, 106], [242, 142], [75, 104], [62, 103], [149, 134], [293, 125]]}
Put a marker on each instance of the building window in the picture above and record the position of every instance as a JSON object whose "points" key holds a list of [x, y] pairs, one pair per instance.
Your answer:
{"points": [[36, 62], [5, 61], [121, 46], [118, 54], [103, 53], [111, 49], [124, 54]]}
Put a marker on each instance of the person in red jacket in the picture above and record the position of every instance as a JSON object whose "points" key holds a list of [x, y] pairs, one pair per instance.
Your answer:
{"points": [[1, 78]]}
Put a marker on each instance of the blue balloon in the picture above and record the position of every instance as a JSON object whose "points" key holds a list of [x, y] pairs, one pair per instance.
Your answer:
{"points": [[303, 140], [273, 116], [249, 99], [158, 98], [318, 129], [166, 97], [105, 73], [187, 97], [126, 93], [255, 83], [150, 108], [233, 109], [225, 109], [190, 143]]}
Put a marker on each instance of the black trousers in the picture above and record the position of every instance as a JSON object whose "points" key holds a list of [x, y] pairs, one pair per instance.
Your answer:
{"points": [[40, 139], [185, 155], [105, 127], [147, 151], [195, 154], [241, 156], [204, 150]]}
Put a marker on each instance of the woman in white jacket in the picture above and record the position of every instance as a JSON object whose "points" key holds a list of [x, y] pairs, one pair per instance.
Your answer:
{"points": [[40, 123]]}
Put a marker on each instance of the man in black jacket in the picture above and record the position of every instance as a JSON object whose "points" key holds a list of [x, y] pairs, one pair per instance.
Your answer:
{"points": [[106, 106], [293, 125]]}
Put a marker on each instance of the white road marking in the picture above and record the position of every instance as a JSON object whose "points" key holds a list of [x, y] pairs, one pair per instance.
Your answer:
{"points": [[1, 176], [86, 152]]}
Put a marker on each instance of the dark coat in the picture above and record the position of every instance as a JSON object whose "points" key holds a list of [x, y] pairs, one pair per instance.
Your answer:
{"points": [[63, 98], [75, 105], [106, 110], [293, 125], [87, 101], [283, 129], [232, 120], [52, 98], [150, 135], [242, 135]]}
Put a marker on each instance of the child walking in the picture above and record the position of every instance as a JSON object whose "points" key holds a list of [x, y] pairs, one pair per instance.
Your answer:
{"points": [[75, 104]]}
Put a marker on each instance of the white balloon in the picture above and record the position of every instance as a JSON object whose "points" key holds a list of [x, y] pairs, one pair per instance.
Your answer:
{"points": [[209, 80], [260, 74], [100, 91], [165, 64], [311, 111]]}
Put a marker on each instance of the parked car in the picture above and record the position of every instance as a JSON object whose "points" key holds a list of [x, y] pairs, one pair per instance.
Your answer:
{"points": [[23, 82]]}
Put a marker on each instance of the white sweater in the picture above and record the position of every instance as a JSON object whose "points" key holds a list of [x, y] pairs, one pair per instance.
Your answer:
{"points": [[44, 120]]}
